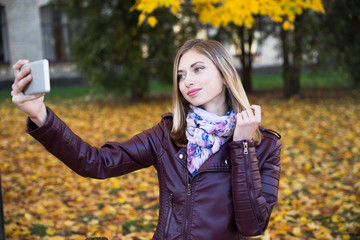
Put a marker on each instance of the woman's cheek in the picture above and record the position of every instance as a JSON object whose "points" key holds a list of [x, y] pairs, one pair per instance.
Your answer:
{"points": [[181, 88]]}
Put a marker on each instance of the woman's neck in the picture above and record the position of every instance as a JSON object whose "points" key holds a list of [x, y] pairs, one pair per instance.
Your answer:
{"points": [[218, 109]]}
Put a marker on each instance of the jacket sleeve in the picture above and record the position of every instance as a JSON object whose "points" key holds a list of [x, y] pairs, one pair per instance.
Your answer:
{"points": [[112, 159], [255, 184]]}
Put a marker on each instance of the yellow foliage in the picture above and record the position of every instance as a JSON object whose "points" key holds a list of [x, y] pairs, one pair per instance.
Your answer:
{"points": [[239, 12], [319, 185], [148, 6]]}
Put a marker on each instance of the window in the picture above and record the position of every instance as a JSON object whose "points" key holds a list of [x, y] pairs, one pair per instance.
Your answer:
{"points": [[4, 48], [55, 28]]}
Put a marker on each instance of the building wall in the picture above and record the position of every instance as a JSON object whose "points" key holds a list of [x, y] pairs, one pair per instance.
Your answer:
{"points": [[25, 38], [269, 53], [24, 30], [267, 57]]}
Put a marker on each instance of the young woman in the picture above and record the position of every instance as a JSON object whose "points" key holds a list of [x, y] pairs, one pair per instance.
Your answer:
{"points": [[218, 170]]}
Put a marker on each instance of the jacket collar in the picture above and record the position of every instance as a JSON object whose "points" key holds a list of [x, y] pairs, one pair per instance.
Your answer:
{"points": [[220, 161]]}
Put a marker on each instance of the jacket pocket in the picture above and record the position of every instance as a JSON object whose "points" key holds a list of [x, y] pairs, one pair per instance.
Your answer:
{"points": [[170, 205]]}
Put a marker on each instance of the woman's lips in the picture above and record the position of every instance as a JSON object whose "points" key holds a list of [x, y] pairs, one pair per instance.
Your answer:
{"points": [[193, 92]]}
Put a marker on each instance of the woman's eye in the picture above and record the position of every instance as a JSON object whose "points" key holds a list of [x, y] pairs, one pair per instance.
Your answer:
{"points": [[180, 77], [198, 69]]}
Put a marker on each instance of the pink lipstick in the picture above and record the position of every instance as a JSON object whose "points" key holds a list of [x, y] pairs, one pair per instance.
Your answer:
{"points": [[193, 92]]}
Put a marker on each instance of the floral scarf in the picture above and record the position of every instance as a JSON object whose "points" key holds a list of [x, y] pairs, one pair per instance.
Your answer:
{"points": [[206, 133]]}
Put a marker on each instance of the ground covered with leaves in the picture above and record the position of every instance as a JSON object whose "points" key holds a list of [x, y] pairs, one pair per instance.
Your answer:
{"points": [[319, 195]]}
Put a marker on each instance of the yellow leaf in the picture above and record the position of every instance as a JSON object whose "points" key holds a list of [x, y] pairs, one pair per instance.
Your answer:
{"points": [[346, 237], [115, 183], [141, 19], [94, 222], [312, 226], [57, 238], [113, 228], [152, 21], [50, 231], [287, 191], [307, 166], [335, 219], [286, 25], [121, 200], [69, 223], [28, 216], [297, 232], [304, 219], [322, 233]]}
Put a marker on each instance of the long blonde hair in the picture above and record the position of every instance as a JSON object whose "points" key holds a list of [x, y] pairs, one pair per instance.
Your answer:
{"points": [[235, 93]]}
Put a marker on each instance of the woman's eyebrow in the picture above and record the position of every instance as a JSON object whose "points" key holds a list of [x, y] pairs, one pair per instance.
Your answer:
{"points": [[192, 65], [195, 63]]}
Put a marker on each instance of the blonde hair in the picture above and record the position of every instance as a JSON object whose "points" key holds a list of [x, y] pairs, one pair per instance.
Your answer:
{"points": [[235, 93]]}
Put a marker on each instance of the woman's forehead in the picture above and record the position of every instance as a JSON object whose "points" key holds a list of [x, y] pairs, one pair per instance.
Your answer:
{"points": [[190, 57]]}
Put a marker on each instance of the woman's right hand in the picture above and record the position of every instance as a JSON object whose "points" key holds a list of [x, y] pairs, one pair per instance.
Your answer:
{"points": [[32, 105]]}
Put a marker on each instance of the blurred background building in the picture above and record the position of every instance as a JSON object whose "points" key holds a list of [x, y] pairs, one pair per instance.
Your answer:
{"points": [[33, 29]]}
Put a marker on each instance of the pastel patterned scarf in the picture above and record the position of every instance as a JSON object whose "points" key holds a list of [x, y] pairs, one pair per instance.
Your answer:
{"points": [[206, 133]]}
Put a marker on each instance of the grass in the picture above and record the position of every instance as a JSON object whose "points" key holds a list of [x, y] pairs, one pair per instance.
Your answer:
{"points": [[84, 91], [320, 79], [323, 79]]}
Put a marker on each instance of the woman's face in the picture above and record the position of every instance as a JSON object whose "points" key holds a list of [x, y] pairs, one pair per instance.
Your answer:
{"points": [[201, 83]]}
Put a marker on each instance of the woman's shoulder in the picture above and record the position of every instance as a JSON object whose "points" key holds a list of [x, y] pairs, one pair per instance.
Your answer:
{"points": [[167, 119], [161, 131], [270, 138], [168, 116], [269, 133], [270, 143]]}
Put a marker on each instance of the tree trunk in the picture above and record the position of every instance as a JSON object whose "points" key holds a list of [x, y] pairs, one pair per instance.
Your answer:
{"points": [[286, 69], [246, 36], [140, 84], [292, 66], [297, 57]]}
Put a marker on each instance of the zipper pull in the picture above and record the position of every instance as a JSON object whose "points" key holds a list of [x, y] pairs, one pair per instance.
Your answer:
{"points": [[189, 189], [170, 200], [245, 147]]}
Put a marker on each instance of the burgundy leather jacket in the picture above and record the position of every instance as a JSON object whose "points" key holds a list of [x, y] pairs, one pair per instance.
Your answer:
{"points": [[232, 194]]}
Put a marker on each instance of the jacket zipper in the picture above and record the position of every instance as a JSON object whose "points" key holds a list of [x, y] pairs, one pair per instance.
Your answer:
{"points": [[187, 207], [252, 198], [169, 215], [188, 204]]}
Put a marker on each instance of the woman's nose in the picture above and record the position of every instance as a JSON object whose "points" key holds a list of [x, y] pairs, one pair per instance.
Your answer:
{"points": [[189, 80]]}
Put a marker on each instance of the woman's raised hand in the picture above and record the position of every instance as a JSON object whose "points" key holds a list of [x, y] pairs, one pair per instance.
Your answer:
{"points": [[32, 105], [247, 122]]}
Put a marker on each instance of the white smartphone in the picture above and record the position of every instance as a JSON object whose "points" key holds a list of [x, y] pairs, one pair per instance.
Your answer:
{"points": [[40, 77]]}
